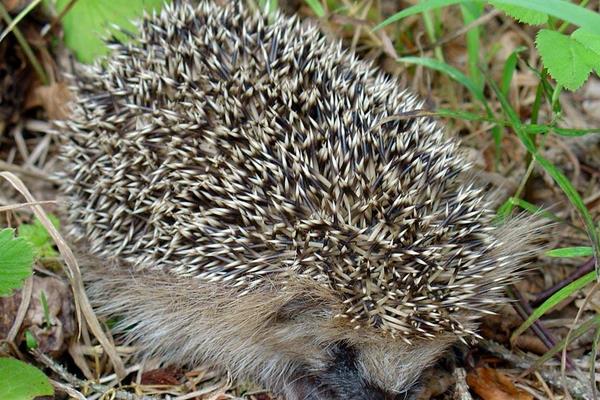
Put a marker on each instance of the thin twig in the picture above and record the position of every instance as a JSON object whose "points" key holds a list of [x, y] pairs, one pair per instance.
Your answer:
{"points": [[582, 270], [76, 382], [30, 172], [524, 310]]}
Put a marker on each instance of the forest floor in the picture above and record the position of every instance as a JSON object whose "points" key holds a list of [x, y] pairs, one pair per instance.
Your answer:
{"points": [[496, 368]]}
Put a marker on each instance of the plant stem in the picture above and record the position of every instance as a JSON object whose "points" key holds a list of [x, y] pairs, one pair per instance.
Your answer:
{"points": [[39, 70], [582, 270]]}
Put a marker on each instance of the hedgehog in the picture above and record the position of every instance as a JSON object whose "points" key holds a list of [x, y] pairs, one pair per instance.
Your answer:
{"points": [[266, 202]]}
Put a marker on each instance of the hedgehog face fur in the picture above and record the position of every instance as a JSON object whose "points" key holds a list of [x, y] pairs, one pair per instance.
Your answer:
{"points": [[267, 213]]}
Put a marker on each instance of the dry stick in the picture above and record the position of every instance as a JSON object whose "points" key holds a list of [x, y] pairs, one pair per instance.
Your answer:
{"points": [[582, 270], [22, 310], [82, 304], [461, 387], [30, 172], [61, 387], [76, 382], [14, 207]]}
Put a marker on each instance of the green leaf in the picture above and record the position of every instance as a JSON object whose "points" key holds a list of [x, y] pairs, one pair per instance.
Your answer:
{"points": [[521, 14], [575, 199], [567, 60], [591, 41], [20, 381], [556, 298], [16, 260], [562, 9], [509, 69], [582, 251], [534, 129], [471, 12], [88, 22], [30, 340], [39, 237], [317, 7]]}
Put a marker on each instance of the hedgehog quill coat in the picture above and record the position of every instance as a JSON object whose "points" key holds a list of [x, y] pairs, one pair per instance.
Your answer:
{"points": [[265, 210]]}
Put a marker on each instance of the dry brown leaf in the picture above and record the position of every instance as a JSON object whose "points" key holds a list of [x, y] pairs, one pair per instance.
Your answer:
{"points": [[54, 98], [51, 329], [491, 384], [162, 376]]}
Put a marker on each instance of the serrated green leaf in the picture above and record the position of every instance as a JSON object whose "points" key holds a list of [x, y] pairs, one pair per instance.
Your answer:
{"points": [[521, 14], [567, 60], [16, 260], [21, 381], [591, 41], [88, 22], [38, 236], [582, 251]]}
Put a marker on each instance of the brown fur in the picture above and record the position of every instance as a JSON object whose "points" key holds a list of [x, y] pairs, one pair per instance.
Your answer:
{"points": [[279, 335]]}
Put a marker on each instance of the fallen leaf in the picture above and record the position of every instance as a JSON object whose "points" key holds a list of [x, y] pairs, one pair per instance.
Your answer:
{"points": [[162, 376], [54, 98], [52, 324], [491, 384]]}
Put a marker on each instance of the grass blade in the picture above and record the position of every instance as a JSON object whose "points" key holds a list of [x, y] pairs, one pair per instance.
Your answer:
{"points": [[317, 7], [581, 251], [449, 70], [556, 298], [575, 199], [418, 8], [471, 12], [509, 69], [561, 180], [593, 322]]}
